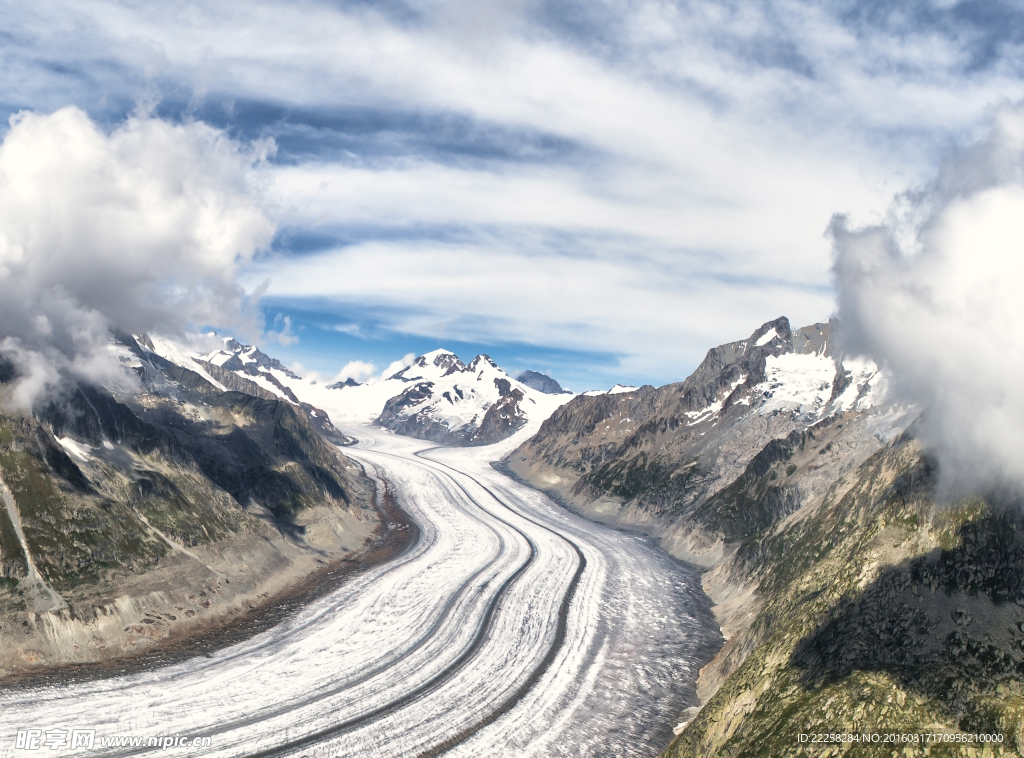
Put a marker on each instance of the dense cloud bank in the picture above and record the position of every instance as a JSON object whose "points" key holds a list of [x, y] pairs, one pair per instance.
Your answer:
{"points": [[937, 294], [141, 229]]}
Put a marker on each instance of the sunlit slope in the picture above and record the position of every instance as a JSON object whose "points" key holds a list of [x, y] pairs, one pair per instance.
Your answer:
{"points": [[883, 612], [670, 460]]}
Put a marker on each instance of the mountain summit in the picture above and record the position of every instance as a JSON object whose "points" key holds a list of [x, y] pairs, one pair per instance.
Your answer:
{"points": [[656, 458], [450, 402]]}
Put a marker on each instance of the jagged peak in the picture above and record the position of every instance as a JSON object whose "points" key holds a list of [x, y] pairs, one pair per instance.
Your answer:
{"points": [[443, 359], [144, 341], [475, 363], [236, 356], [777, 329]]}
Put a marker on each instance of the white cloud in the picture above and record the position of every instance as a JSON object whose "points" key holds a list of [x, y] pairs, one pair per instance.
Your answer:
{"points": [[351, 329], [141, 229], [396, 366], [945, 315], [612, 302], [358, 371], [706, 144]]}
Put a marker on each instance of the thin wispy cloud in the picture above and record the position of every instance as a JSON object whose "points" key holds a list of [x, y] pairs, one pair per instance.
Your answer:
{"points": [[642, 179]]}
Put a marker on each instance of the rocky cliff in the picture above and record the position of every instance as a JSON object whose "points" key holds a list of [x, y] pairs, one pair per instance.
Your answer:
{"points": [[673, 461]]}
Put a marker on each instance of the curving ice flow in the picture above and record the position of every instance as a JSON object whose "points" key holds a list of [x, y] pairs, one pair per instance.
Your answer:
{"points": [[511, 627]]}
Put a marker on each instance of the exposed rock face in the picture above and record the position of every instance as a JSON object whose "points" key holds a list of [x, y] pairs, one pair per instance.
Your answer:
{"points": [[540, 382], [109, 489], [232, 381], [503, 418], [671, 460]]}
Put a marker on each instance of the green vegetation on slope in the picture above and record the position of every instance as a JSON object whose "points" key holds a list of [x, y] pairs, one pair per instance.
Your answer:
{"points": [[883, 613], [180, 460]]}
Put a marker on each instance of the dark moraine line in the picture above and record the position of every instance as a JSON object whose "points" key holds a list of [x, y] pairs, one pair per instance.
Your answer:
{"points": [[438, 679], [292, 705], [525, 687], [556, 644]]}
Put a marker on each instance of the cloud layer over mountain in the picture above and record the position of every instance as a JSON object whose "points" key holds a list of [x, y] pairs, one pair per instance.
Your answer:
{"points": [[142, 228], [936, 293]]}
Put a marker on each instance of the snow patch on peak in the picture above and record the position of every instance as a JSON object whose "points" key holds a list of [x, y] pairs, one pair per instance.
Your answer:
{"points": [[620, 388], [716, 407], [180, 356], [616, 390], [868, 386], [767, 337], [797, 382], [78, 450], [482, 359]]}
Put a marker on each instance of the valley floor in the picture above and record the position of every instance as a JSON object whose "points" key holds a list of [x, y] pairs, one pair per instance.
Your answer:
{"points": [[509, 626]]}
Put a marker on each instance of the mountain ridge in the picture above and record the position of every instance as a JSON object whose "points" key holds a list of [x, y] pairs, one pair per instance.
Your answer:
{"points": [[134, 515], [851, 599], [436, 397]]}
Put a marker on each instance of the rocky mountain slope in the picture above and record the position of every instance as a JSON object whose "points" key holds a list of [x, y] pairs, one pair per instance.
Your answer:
{"points": [[671, 460], [882, 612], [850, 600], [449, 402], [131, 515]]}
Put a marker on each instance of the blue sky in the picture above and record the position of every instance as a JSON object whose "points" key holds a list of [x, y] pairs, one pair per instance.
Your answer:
{"points": [[599, 190]]}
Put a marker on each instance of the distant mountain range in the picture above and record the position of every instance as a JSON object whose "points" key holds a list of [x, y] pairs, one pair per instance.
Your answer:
{"points": [[438, 397]]}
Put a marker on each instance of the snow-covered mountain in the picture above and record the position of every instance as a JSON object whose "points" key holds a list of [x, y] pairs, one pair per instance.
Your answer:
{"points": [[438, 397], [447, 401], [616, 390]]}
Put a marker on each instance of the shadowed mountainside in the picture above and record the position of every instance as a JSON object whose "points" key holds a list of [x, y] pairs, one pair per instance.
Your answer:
{"points": [[131, 510]]}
